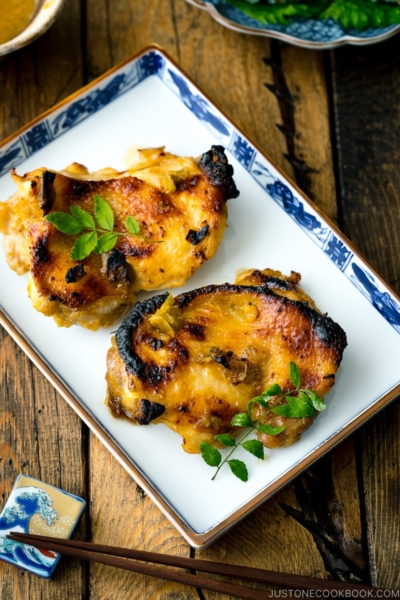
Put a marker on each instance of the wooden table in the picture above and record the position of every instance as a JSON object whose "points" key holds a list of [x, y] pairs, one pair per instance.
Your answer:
{"points": [[331, 120]]}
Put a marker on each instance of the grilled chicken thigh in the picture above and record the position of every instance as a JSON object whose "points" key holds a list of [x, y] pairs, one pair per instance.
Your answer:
{"points": [[179, 203], [195, 361]]}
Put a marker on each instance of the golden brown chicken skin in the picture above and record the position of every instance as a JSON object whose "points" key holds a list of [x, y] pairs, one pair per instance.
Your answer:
{"points": [[179, 203], [195, 361]]}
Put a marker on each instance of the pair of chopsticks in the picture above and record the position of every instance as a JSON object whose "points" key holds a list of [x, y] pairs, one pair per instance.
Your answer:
{"points": [[117, 557]]}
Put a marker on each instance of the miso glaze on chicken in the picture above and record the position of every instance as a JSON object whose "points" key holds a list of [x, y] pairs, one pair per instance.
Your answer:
{"points": [[195, 361], [180, 204]]}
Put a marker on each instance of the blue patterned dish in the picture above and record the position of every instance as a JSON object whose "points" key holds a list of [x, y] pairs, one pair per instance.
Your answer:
{"points": [[148, 101], [308, 33], [38, 508]]}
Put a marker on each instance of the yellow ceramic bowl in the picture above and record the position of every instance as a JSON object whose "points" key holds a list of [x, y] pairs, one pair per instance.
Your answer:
{"points": [[45, 14]]}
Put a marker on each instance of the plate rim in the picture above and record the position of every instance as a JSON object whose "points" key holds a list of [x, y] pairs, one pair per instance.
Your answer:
{"points": [[286, 37], [197, 540]]}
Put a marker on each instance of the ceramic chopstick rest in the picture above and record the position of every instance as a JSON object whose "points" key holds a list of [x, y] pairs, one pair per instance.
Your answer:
{"points": [[38, 508]]}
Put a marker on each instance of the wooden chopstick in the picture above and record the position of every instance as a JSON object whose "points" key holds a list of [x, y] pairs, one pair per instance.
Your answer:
{"points": [[205, 583], [94, 552]]}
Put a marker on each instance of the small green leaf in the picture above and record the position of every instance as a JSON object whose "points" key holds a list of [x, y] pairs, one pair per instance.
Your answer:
{"points": [[295, 408], [304, 408], [239, 469], [106, 242], [132, 226], [285, 410], [295, 376], [257, 400], [254, 447], [250, 406], [303, 396], [225, 439], [263, 400], [242, 420], [270, 430], [210, 455], [103, 213], [64, 222], [316, 401], [273, 390], [84, 218], [84, 245]]}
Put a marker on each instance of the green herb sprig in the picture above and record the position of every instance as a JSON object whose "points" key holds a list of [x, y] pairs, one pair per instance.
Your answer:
{"points": [[296, 404], [89, 242]]}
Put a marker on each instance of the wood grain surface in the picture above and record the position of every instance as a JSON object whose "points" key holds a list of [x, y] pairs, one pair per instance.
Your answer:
{"points": [[370, 209], [331, 121]]}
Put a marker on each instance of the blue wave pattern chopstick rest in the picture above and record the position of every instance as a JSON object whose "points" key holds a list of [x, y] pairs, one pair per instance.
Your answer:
{"points": [[39, 508]]}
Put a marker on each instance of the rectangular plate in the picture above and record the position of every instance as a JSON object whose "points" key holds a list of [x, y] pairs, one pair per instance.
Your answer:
{"points": [[147, 101]]}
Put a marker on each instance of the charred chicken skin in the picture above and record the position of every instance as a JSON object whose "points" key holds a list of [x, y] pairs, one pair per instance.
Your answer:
{"points": [[195, 361], [179, 203]]}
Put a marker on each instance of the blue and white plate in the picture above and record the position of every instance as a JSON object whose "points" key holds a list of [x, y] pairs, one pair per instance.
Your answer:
{"points": [[307, 33], [148, 101]]}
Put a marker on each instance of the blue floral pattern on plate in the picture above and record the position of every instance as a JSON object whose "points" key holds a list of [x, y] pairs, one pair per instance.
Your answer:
{"points": [[313, 33], [381, 300]]}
